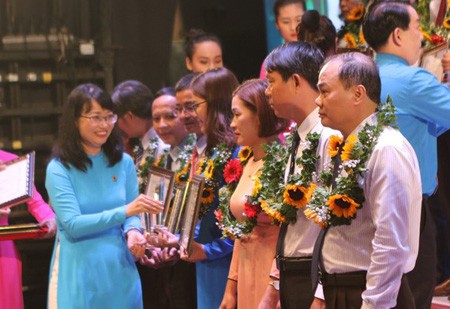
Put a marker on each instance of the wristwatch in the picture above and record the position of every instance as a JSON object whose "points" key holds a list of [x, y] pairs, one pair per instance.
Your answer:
{"points": [[275, 284]]}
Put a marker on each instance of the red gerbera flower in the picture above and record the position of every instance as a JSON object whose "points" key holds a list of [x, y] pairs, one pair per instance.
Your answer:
{"points": [[232, 171], [252, 210], [437, 39], [218, 214]]}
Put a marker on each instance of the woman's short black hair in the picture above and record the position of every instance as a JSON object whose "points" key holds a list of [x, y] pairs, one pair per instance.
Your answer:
{"points": [[69, 148]]}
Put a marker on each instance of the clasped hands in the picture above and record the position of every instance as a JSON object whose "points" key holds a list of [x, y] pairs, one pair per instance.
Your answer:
{"points": [[154, 250], [161, 249]]}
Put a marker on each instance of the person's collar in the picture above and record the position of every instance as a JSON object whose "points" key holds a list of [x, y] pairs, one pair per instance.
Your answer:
{"points": [[371, 120], [383, 57], [151, 134], [201, 145], [308, 124], [175, 151]]}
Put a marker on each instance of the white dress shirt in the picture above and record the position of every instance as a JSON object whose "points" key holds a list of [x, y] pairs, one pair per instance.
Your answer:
{"points": [[175, 152], [383, 239], [147, 138], [201, 146], [301, 235]]}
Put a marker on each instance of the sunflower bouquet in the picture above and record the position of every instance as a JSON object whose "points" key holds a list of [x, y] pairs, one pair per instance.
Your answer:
{"points": [[333, 205]]}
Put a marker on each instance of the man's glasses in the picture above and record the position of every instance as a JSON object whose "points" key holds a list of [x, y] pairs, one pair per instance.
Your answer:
{"points": [[189, 107], [97, 120]]}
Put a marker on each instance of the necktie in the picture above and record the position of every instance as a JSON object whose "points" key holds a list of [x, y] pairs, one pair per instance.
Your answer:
{"points": [[139, 154], [317, 252], [194, 161], [169, 162], [441, 13], [283, 229], [294, 148]]}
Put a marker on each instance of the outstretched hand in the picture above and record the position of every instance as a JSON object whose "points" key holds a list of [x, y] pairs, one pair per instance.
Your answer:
{"points": [[136, 243], [197, 254], [144, 203], [158, 258]]}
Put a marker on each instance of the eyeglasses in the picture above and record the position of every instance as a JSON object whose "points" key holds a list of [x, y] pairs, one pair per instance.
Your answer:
{"points": [[97, 120], [190, 106]]}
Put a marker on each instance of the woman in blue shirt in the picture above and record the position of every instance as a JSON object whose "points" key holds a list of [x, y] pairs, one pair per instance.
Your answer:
{"points": [[93, 189]]}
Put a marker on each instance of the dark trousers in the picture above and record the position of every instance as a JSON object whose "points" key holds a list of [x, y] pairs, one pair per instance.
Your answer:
{"points": [[343, 291], [172, 287], [422, 278], [440, 211], [295, 283]]}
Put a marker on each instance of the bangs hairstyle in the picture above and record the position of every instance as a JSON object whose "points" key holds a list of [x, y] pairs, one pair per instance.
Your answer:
{"points": [[216, 88], [252, 93], [358, 69], [133, 96], [300, 58], [69, 149], [382, 19]]}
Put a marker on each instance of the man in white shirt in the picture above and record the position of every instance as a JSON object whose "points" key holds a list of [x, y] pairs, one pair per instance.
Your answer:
{"points": [[363, 263], [292, 72], [175, 281]]}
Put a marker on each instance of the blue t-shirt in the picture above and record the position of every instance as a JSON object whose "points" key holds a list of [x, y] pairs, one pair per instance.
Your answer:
{"points": [[423, 110]]}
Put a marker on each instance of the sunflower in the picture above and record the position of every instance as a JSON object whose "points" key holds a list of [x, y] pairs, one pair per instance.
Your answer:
{"points": [[257, 186], [333, 145], [312, 215], [446, 23], [245, 153], [348, 147], [209, 169], [161, 161], [350, 40], [356, 13], [425, 35], [295, 195], [200, 164], [182, 176], [272, 212], [362, 39], [207, 195], [231, 235], [342, 205]]}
